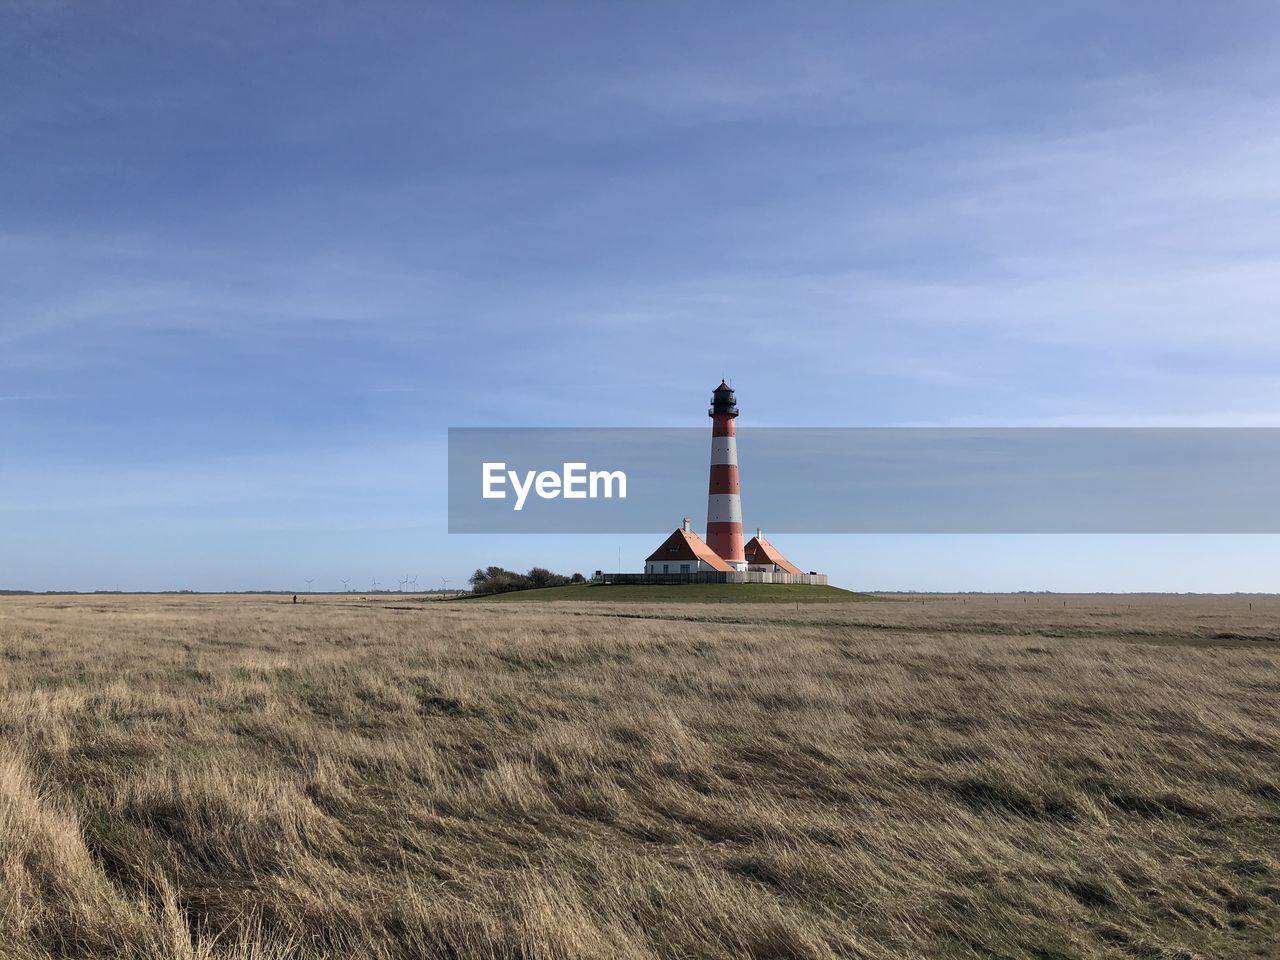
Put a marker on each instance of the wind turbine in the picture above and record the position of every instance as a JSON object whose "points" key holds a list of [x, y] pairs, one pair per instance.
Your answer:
{"points": [[344, 585], [310, 581], [444, 585], [373, 587], [414, 581]]}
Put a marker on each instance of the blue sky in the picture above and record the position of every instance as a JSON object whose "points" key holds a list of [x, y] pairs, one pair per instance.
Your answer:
{"points": [[257, 257]]}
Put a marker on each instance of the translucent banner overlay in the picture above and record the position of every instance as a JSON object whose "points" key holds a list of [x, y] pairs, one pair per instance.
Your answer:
{"points": [[871, 480]]}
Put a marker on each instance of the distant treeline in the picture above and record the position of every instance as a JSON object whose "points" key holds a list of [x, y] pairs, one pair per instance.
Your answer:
{"points": [[501, 580]]}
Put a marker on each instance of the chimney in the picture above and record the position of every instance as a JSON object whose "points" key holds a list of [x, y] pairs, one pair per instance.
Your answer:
{"points": [[759, 535], [687, 526]]}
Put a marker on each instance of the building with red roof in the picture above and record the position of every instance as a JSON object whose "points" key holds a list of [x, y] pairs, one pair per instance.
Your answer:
{"points": [[764, 556], [684, 552]]}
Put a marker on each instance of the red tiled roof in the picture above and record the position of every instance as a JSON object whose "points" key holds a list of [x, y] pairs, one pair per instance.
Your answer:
{"points": [[760, 552], [686, 545]]}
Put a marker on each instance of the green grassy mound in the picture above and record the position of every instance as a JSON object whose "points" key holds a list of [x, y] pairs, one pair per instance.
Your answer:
{"points": [[685, 593]]}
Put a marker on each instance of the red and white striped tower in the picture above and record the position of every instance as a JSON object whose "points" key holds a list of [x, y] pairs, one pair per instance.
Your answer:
{"points": [[724, 502]]}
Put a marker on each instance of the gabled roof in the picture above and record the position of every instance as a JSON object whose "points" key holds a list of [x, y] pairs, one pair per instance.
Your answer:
{"points": [[760, 551], [687, 545]]}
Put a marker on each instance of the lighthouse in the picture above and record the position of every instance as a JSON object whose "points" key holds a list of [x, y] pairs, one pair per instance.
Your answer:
{"points": [[724, 502], [722, 557]]}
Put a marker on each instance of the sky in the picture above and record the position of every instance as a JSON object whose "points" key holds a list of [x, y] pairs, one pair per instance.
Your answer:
{"points": [[257, 258]]}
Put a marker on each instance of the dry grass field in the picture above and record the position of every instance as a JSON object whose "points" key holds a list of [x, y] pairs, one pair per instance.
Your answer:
{"points": [[240, 777]]}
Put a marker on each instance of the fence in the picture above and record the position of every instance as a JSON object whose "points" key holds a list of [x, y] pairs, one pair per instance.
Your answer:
{"points": [[760, 576], [710, 576]]}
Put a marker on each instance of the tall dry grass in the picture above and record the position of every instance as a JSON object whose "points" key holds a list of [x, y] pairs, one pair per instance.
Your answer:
{"points": [[241, 777]]}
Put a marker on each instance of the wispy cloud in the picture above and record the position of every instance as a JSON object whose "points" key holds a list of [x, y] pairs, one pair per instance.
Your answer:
{"points": [[38, 397]]}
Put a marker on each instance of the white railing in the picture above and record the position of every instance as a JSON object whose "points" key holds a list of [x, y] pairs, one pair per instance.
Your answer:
{"points": [[761, 576], [711, 576]]}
